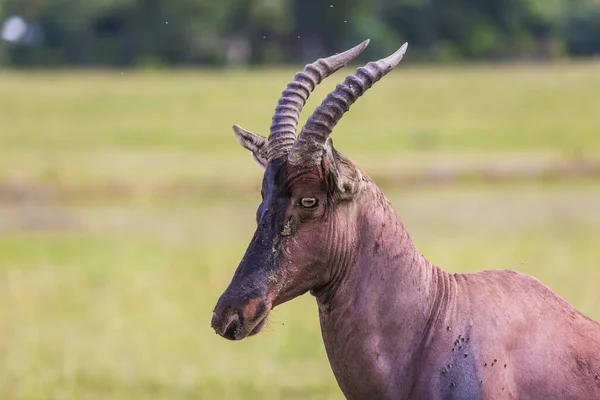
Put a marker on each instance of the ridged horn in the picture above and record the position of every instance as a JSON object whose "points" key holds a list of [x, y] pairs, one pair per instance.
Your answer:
{"points": [[285, 120], [309, 147]]}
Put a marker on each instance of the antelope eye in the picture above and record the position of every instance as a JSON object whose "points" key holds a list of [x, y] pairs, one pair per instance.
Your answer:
{"points": [[309, 202]]}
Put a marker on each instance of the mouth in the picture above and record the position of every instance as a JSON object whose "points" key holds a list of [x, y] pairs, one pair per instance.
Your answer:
{"points": [[258, 327], [236, 328]]}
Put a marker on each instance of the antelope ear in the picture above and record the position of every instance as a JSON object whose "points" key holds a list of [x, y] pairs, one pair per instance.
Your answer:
{"points": [[253, 142], [345, 176]]}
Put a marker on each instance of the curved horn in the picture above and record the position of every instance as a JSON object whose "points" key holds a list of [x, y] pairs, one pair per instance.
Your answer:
{"points": [[285, 120], [308, 149]]}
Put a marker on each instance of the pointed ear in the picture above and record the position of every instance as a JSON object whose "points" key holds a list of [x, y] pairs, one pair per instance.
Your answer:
{"points": [[255, 143], [344, 174]]}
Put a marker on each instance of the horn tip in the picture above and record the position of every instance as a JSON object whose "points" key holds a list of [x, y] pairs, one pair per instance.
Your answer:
{"points": [[395, 58], [348, 55], [403, 48], [361, 46]]}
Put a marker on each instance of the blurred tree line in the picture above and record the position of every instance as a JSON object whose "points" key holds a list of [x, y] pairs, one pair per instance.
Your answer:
{"points": [[192, 32]]}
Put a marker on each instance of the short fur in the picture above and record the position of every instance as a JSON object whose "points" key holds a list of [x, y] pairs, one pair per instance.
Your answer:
{"points": [[394, 325]]}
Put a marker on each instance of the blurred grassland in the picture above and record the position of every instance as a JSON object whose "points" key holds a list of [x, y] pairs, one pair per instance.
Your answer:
{"points": [[110, 296]]}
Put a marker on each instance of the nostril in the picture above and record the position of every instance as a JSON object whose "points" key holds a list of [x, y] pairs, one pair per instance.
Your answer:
{"points": [[232, 327]]}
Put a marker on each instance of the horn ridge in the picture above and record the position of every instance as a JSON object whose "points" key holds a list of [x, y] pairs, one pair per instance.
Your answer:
{"points": [[285, 120], [311, 142]]}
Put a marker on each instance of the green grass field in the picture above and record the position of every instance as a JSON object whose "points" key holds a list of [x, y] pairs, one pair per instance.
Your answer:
{"points": [[126, 204]]}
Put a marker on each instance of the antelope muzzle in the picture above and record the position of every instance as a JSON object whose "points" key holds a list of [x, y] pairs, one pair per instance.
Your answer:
{"points": [[236, 317]]}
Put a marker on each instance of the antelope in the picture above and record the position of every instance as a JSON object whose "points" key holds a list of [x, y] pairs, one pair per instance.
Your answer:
{"points": [[394, 325]]}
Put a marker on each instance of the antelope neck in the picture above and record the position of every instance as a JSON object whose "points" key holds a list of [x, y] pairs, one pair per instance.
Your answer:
{"points": [[382, 259], [385, 303]]}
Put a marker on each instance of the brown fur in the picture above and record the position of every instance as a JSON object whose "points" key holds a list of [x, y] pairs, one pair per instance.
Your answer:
{"points": [[397, 327], [394, 325]]}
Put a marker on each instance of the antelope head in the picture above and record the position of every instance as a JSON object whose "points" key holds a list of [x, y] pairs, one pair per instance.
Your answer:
{"points": [[311, 199]]}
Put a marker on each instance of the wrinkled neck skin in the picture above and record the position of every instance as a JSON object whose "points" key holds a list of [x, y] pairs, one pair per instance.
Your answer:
{"points": [[374, 313]]}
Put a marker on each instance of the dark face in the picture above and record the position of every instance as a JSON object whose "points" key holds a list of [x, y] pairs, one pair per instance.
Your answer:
{"points": [[307, 221], [292, 251]]}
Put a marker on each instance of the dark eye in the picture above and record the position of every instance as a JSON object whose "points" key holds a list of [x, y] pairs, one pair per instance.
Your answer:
{"points": [[309, 202]]}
